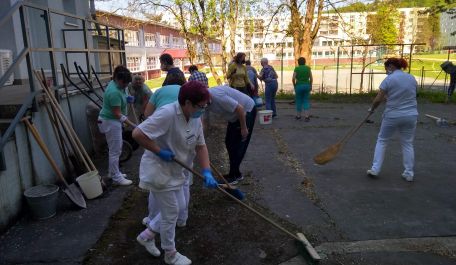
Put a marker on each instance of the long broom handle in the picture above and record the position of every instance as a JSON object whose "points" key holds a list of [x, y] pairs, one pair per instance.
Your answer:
{"points": [[45, 150], [72, 135], [58, 111], [432, 117], [241, 203], [79, 147], [355, 129], [62, 68], [58, 136], [220, 176]]}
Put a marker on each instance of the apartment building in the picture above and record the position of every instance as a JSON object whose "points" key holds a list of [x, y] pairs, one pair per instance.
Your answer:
{"points": [[447, 27], [145, 41], [265, 38]]}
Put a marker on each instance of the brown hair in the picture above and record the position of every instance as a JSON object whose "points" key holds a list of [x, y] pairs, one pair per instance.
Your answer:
{"points": [[399, 63], [238, 57]]}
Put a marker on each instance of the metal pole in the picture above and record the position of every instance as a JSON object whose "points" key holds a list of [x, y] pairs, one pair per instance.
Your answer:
{"points": [[337, 71], [47, 19], [446, 75], [351, 69], [422, 77], [281, 72], [26, 40], [410, 58]]}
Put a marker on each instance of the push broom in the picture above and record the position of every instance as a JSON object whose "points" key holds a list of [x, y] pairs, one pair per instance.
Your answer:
{"points": [[331, 152], [299, 236]]}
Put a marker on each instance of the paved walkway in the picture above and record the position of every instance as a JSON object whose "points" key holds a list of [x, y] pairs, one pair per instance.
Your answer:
{"points": [[347, 216]]}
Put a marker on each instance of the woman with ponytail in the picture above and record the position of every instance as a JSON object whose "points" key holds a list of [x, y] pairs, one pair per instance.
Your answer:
{"points": [[398, 89]]}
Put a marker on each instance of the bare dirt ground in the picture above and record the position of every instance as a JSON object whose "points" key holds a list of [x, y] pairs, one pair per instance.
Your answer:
{"points": [[218, 231]]}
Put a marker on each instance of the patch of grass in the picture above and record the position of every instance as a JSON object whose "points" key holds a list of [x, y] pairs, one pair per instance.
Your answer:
{"points": [[331, 97], [155, 83], [424, 96], [434, 97]]}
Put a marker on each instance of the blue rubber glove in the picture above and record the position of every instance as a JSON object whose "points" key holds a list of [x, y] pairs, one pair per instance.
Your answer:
{"points": [[166, 154], [209, 180], [130, 99]]}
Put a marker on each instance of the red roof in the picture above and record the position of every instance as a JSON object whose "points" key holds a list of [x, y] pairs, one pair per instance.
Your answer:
{"points": [[176, 53]]}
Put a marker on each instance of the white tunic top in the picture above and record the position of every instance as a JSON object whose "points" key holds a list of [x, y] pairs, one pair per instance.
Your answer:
{"points": [[225, 99], [170, 130], [400, 90]]}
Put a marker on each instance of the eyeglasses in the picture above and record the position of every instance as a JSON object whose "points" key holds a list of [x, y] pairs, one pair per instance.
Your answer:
{"points": [[201, 107]]}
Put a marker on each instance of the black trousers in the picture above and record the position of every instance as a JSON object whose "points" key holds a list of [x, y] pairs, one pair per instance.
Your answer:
{"points": [[235, 147]]}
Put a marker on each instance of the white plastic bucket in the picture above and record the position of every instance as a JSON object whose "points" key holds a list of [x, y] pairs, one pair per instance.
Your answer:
{"points": [[90, 184], [265, 116]]}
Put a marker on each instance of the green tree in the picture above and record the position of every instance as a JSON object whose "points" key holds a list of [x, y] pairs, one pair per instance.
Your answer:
{"points": [[382, 26]]}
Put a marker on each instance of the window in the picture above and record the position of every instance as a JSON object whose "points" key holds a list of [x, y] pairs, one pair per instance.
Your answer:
{"points": [[320, 53], [326, 53], [133, 63], [151, 63], [176, 42], [324, 43], [131, 37], [150, 40], [164, 41], [289, 44]]}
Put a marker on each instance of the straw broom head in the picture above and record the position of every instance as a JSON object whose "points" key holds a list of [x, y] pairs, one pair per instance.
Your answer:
{"points": [[328, 154]]}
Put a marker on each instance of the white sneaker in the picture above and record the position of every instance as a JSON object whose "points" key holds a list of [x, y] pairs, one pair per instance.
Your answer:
{"points": [[177, 259], [407, 177], [121, 181], [124, 175], [149, 245], [371, 173], [145, 220], [181, 224]]}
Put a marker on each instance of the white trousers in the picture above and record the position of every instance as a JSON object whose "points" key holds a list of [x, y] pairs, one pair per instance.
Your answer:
{"points": [[167, 203], [183, 199], [113, 132], [406, 126]]}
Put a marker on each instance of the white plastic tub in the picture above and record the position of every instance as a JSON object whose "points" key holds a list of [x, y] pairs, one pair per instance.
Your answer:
{"points": [[265, 116], [90, 184]]}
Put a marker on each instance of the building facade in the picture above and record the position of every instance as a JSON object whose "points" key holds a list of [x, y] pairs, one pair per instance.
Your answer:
{"points": [[265, 38], [146, 41], [447, 27]]}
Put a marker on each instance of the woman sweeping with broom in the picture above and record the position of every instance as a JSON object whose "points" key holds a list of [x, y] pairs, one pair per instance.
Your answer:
{"points": [[174, 130], [400, 114]]}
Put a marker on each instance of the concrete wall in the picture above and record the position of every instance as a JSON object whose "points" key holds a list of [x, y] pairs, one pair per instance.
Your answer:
{"points": [[26, 165]]}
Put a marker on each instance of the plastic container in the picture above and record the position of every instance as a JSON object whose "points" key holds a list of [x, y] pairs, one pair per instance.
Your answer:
{"points": [[265, 116], [90, 184], [42, 200]]}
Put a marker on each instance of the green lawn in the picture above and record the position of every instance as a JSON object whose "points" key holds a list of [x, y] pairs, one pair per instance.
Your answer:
{"points": [[156, 83]]}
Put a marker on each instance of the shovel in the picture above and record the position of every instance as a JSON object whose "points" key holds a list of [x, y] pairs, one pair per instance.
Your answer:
{"points": [[71, 191]]}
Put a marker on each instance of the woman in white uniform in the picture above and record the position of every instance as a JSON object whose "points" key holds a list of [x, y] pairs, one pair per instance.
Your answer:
{"points": [[110, 120], [174, 130], [400, 114]]}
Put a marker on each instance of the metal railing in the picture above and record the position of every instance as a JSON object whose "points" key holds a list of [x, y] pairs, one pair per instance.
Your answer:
{"points": [[25, 53]]}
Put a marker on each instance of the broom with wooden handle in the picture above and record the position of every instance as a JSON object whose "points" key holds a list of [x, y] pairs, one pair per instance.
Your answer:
{"points": [[299, 236], [331, 152]]}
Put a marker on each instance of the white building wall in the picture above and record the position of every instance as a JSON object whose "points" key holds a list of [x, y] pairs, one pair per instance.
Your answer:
{"points": [[334, 31]]}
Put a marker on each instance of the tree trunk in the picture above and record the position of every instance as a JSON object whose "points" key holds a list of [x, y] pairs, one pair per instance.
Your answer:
{"points": [[232, 19], [296, 26], [208, 59], [223, 39], [303, 33]]}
